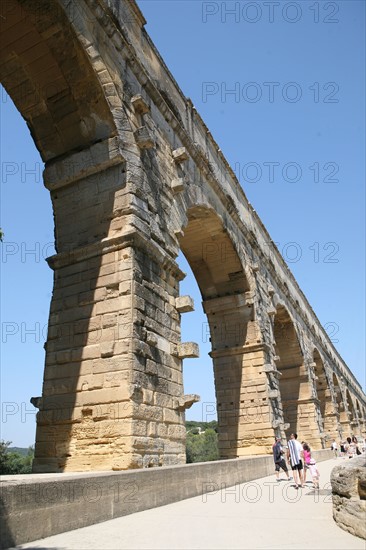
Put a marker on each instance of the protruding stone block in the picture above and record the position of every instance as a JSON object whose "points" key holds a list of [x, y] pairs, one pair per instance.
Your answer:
{"points": [[188, 349], [177, 185], [139, 104], [36, 402], [144, 138], [271, 311], [180, 154], [255, 267], [271, 290], [186, 401], [151, 338], [271, 369], [273, 394], [184, 304]]}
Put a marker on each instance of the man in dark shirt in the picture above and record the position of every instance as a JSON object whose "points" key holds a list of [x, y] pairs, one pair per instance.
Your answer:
{"points": [[279, 460]]}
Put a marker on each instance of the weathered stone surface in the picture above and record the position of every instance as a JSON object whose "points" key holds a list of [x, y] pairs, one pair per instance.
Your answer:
{"points": [[187, 401], [184, 304], [180, 154], [348, 481], [188, 349], [135, 177], [177, 185]]}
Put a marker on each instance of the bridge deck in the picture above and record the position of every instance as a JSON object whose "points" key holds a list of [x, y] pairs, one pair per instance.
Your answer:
{"points": [[255, 515]]}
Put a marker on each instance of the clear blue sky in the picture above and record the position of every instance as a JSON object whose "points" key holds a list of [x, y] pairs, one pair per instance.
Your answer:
{"points": [[293, 130]]}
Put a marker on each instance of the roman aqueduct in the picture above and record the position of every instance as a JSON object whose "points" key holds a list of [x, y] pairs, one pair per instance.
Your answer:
{"points": [[136, 177]]}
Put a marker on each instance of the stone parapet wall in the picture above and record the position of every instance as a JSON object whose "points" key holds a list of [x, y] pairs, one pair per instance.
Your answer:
{"points": [[40, 505]]}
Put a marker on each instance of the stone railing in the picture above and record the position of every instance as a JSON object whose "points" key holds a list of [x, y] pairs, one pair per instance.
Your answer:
{"points": [[349, 495]]}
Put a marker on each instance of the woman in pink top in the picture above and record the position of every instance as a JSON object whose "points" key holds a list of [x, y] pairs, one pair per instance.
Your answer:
{"points": [[307, 457]]}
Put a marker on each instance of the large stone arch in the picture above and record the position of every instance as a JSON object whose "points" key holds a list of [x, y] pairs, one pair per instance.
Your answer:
{"points": [[51, 67], [237, 349], [46, 71]]}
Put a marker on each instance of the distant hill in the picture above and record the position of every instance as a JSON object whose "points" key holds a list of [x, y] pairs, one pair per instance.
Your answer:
{"points": [[21, 450]]}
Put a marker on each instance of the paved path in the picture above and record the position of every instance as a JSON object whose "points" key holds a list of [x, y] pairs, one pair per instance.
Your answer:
{"points": [[255, 515]]}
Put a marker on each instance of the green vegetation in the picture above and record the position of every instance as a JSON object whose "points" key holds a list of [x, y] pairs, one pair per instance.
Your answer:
{"points": [[15, 460], [202, 442]]}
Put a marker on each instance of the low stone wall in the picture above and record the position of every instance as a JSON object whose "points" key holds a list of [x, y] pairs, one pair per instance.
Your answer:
{"points": [[349, 495], [40, 505]]}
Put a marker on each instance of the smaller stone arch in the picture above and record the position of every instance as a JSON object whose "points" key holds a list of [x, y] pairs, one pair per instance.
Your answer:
{"points": [[341, 407], [352, 415], [298, 402], [324, 400], [360, 414]]}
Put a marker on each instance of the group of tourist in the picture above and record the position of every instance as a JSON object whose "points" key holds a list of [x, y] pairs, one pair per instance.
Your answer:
{"points": [[299, 457], [347, 449]]}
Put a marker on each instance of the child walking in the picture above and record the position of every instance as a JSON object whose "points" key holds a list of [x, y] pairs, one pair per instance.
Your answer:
{"points": [[314, 472]]}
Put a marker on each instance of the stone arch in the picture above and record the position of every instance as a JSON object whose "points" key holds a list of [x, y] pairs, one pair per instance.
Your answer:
{"points": [[325, 402], [340, 407], [236, 343], [360, 416], [352, 415], [47, 73], [298, 404], [47, 69]]}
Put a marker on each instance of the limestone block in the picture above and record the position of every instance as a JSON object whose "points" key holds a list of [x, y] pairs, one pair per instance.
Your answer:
{"points": [[273, 394], [349, 495], [184, 304], [144, 138], [188, 349], [151, 338], [186, 401], [107, 349], [177, 185], [139, 104], [180, 154]]}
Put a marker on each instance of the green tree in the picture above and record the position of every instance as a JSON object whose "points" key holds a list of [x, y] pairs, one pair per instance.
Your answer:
{"points": [[12, 463], [202, 447]]}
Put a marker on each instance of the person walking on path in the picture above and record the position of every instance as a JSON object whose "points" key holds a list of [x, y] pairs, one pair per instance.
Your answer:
{"points": [[334, 448], [314, 472], [295, 455], [279, 460]]}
